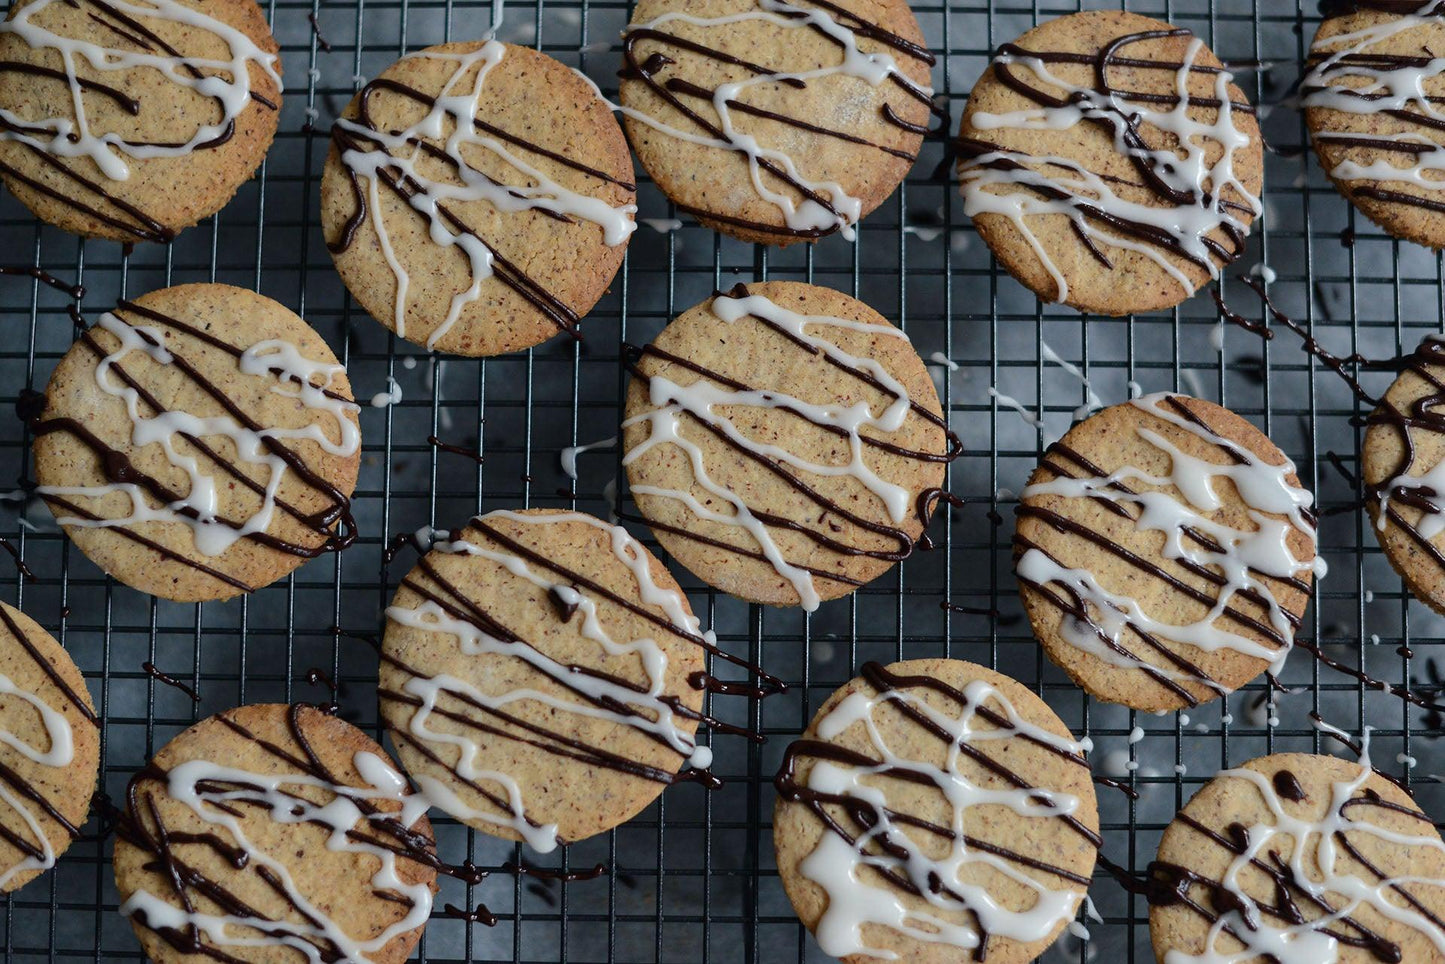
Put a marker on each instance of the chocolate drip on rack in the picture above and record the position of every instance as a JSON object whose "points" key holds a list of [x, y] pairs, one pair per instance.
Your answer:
{"points": [[902, 542], [334, 524], [103, 205], [141, 825], [150, 670], [370, 137], [866, 816], [682, 94], [1125, 129]]}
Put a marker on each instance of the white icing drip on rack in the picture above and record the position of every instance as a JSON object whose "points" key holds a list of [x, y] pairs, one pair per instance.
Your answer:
{"points": [[1381, 88], [654, 715], [226, 81], [1247, 554], [701, 399], [59, 753], [848, 871], [207, 788], [296, 377], [1184, 167], [449, 127], [1314, 865], [802, 214]]}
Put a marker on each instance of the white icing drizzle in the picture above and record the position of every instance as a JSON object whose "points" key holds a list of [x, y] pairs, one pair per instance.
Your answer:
{"points": [[207, 788], [1028, 182], [226, 81], [702, 399], [296, 376], [1345, 80], [568, 456], [449, 127], [1241, 558], [59, 753], [653, 713], [800, 213], [851, 872], [1316, 853]]}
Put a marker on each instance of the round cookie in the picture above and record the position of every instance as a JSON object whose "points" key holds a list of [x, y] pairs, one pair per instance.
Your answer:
{"points": [[1164, 552], [198, 442], [978, 842], [1382, 146], [1402, 463], [273, 832], [1073, 170], [823, 110], [49, 750], [541, 676], [1280, 839], [486, 239], [164, 136], [784, 442]]}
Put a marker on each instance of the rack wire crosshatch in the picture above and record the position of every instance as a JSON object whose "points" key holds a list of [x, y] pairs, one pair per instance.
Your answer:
{"points": [[692, 878]]}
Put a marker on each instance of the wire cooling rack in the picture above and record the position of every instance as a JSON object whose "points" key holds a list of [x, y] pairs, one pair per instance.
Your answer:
{"points": [[692, 879]]}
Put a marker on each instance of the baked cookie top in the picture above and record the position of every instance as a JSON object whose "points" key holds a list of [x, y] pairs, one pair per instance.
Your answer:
{"points": [[935, 811], [478, 197], [1090, 180], [133, 119], [784, 442], [542, 676], [49, 749], [273, 832], [1164, 552], [198, 442], [1297, 857], [1371, 102], [776, 121]]}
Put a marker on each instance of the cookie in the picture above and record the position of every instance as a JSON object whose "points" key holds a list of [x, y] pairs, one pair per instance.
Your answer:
{"points": [[1370, 99], [1075, 167], [1402, 466], [935, 811], [133, 121], [1164, 552], [273, 832], [49, 750], [1297, 857], [541, 677], [478, 197], [784, 442], [198, 442], [774, 121]]}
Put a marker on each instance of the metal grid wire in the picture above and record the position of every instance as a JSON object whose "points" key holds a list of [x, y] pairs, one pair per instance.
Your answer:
{"points": [[692, 878]]}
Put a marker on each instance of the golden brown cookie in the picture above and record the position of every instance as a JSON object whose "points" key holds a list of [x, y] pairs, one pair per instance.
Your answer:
{"points": [[823, 109], [198, 442], [1296, 857], [784, 442], [1074, 171], [1401, 467], [131, 121], [542, 675], [1164, 552], [270, 833], [1371, 100], [936, 812], [488, 239], [49, 750]]}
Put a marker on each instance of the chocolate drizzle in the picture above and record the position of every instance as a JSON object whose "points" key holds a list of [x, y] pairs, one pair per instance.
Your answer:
{"points": [[864, 826], [142, 826], [334, 524], [90, 197], [822, 530], [499, 722], [695, 102]]}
